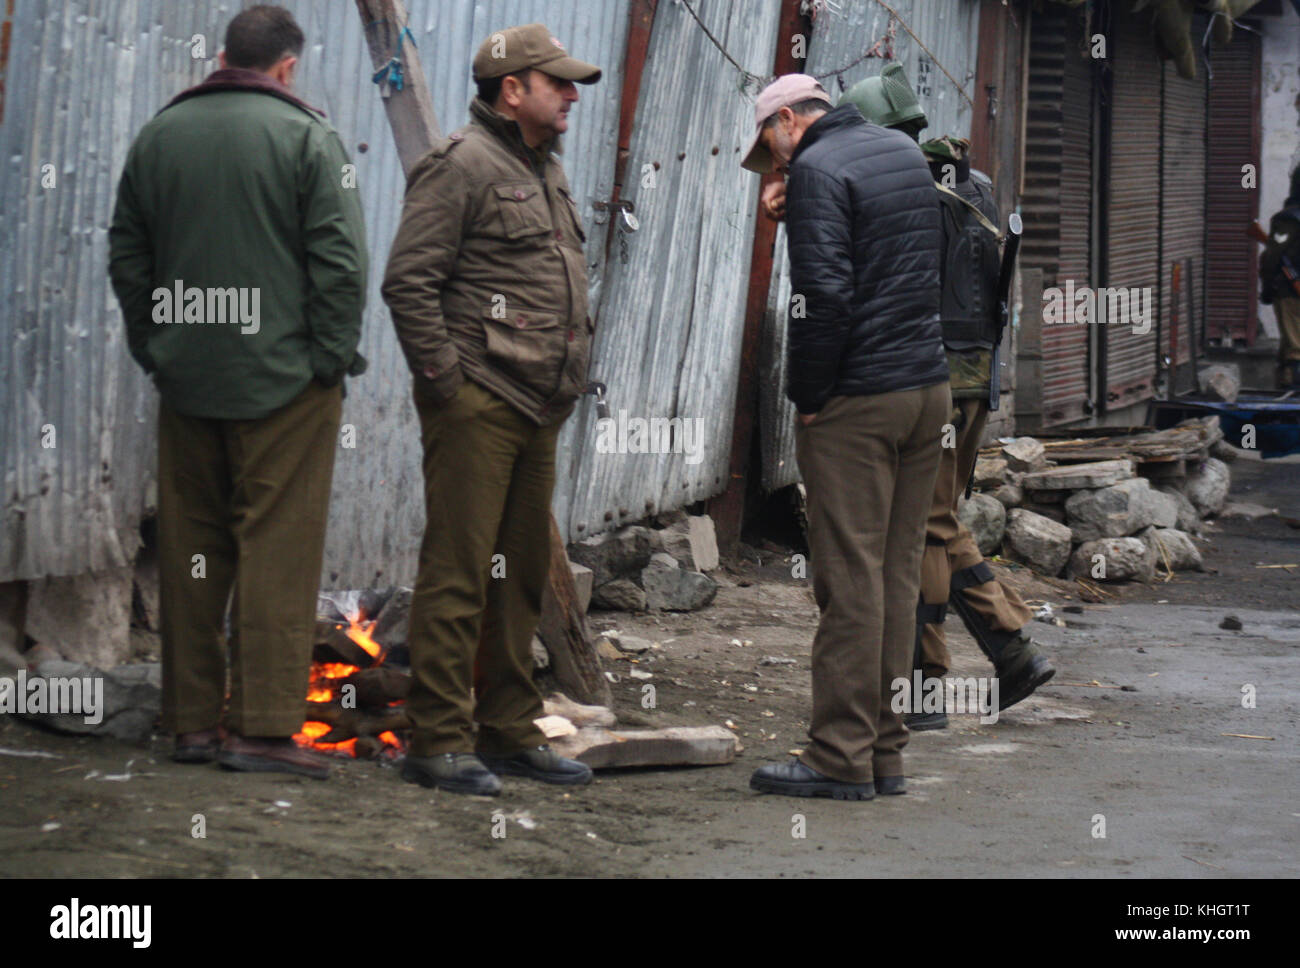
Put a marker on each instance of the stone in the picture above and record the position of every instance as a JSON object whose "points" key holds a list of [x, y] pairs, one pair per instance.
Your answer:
{"points": [[1220, 382], [990, 472], [619, 595], [777, 660], [1037, 541], [132, 698], [1207, 486], [607, 650], [1187, 520], [986, 518], [1122, 559], [1178, 549], [1072, 477], [394, 622], [541, 658], [1246, 509], [1231, 623], [1119, 510], [672, 588], [629, 644], [1010, 495], [584, 582], [1025, 454], [1224, 451], [86, 617], [693, 541], [617, 554]]}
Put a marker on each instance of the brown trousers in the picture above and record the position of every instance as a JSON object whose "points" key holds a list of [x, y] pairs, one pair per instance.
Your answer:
{"points": [[488, 476], [950, 547], [242, 505], [868, 464]]}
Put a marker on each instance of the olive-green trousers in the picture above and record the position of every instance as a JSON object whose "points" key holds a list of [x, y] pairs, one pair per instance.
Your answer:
{"points": [[484, 561], [868, 464], [950, 547], [242, 506]]}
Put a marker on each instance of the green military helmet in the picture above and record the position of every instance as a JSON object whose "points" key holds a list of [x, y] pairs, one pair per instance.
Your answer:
{"points": [[887, 100]]}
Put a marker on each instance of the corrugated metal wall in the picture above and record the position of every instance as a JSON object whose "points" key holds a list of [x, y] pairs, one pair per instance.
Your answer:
{"points": [[1182, 219], [82, 77], [949, 29], [670, 318]]}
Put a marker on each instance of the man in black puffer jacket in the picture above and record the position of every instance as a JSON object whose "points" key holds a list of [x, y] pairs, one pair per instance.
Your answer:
{"points": [[868, 376]]}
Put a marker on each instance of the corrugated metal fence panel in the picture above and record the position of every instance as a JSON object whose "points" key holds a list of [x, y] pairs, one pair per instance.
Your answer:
{"points": [[1233, 270], [1065, 347], [83, 77], [670, 319], [1134, 204], [949, 29], [1183, 204]]}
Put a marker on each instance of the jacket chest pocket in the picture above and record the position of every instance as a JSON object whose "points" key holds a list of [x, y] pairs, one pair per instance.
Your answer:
{"points": [[521, 210], [527, 346]]}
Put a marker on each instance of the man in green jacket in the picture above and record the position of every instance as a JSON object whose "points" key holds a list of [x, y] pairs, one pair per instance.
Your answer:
{"points": [[487, 286], [237, 252]]}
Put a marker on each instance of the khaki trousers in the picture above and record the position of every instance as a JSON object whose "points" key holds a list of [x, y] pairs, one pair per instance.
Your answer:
{"points": [[488, 473], [242, 505], [868, 464], [950, 547]]}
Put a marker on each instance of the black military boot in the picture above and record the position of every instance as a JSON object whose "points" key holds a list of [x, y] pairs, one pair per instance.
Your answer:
{"points": [[453, 772], [540, 763], [793, 779], [1021, 669], [920, 722]]}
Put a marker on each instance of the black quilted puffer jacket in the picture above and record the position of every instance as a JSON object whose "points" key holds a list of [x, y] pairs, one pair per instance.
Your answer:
{"points": [[863, 227]]}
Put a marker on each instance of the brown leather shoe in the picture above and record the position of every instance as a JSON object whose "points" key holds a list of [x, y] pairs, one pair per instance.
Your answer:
{"points": [[200, 746], [252, 754]]}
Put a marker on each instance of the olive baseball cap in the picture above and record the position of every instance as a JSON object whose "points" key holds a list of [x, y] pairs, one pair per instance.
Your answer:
{"points": [[530, 46], [781, 93]]}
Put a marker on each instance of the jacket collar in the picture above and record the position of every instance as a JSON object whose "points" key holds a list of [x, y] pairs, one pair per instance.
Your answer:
{"points": [[242, 79], [844, 116], [508, 131]]}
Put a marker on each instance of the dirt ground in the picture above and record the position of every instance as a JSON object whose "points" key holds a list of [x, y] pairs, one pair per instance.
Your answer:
{"points": [[1131, 730]]}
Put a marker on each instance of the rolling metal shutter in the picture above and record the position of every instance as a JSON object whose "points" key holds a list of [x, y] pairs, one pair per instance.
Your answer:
{"points": [[1134, 210], [1234, 111], [1058, 197]]}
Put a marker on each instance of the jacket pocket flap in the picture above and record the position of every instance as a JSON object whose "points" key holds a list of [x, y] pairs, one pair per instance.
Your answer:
{"points": [[524, 319]]}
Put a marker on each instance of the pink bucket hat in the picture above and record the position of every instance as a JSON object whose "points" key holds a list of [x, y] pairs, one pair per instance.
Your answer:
{"points": [[781, 93]]}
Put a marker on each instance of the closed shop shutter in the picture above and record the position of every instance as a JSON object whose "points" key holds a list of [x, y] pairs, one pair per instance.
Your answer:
{"points": [[1134, 211], [1182, 200], [1058, 200], [1233, 271]]}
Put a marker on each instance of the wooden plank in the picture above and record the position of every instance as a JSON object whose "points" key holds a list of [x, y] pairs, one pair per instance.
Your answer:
{"points": [[604, 749], [1073, 476], [563, 630]]}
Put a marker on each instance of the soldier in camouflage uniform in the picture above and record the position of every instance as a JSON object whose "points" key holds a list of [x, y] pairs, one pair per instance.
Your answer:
{"points": [[953, 572], [1276, 289]]}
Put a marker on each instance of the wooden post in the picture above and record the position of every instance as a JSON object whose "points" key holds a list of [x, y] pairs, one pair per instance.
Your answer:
{"points": [[563, 629]]}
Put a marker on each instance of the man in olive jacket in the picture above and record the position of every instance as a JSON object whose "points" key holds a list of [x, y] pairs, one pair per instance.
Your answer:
{"points": [[237, 252], [487, 286]]}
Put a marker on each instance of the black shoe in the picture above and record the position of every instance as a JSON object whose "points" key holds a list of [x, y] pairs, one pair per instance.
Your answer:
{"points": [[919, 722], [540, 763], [200, 746], [793, 779], [453, 772], [1022, 670], [890, 786]]}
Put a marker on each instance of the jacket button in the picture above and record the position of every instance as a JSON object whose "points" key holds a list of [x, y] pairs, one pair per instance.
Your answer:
{"points": [[519, 193], [559, 234], [570, 336], [521, 322]]}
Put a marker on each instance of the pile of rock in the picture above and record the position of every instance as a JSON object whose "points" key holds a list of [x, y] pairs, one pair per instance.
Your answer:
{"points": [[1097, 519], [639, 567]]}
